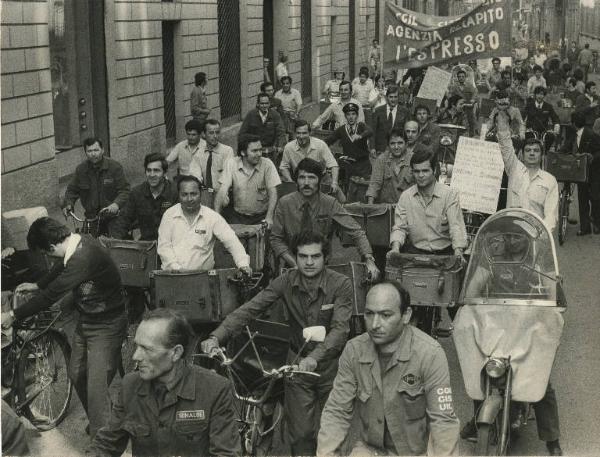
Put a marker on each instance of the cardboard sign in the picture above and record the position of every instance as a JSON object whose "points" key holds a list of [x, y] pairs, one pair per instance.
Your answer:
{"points": [[435, 84], [415, 40], [477, 174]]}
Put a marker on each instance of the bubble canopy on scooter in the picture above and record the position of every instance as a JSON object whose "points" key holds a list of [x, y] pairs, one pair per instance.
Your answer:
{"points": [[513, 262]]}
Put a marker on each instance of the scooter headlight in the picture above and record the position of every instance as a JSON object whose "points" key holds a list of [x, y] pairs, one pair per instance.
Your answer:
{"points": [[495, 368], [446, 140]]}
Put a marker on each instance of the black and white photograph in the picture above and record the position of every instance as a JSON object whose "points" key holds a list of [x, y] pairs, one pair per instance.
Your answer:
{"points": [[300, 228]]}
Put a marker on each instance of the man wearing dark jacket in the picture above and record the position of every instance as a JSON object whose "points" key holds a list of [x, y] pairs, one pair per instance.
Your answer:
{"points": [[266, 123], [148, 201], [539, 114], [385, 118], [100, 184], [88, 271]]}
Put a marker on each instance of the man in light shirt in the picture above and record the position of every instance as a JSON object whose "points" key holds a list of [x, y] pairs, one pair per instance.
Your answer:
{"points": [[187, 233], [184, 151], [428, 213], [291, 102], [254, 180], [335, 110], [362, 87], [529, 186], [212, 155]]}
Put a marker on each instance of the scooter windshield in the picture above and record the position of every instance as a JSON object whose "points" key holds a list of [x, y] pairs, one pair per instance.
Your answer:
{"points": [[512, 263]]}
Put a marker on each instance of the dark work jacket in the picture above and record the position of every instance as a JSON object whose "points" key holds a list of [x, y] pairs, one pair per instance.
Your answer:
{"points": [[271, 133], [196, 418], [146, 210], [97, 187], [590, 143], [90, 274], [538, 119]]}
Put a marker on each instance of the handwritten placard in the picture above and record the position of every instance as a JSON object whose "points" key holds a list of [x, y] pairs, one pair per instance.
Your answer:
{"points": [[435, 84], [477, 174]]}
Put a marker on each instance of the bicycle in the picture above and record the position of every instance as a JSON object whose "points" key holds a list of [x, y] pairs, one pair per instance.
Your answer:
{"points": [[565, 198], [35, 368], [258, 402], [88, 226]]}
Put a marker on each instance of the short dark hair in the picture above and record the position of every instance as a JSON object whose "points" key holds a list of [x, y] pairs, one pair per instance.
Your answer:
{"points": [[309, 166], [211, 121], [425, 107], [187, 178], [398, 132], [539, 89], [453, 100], [578, 74], [421, 155], [496, 59], [199, 78], [537, 68], [586, 46], [263, 86], [505, 72], [461, 71], [90, 141], [393, 89], [501, 94], [309, 237], [178, 329], [193, 124], [534, 140], [578, 119], [44, 232], [589, 85], [404, 295], [301, 123], [344, 83], [286, 78], [261, 95], [156, 157], [245, 140], [363, 71]]}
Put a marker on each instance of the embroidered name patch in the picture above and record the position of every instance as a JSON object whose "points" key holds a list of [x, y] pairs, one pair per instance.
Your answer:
{"points": [[326, 307], [190, 415], [200, 232]]}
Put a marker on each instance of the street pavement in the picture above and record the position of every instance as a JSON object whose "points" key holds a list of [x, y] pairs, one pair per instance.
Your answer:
{"points": [[575, 374]]}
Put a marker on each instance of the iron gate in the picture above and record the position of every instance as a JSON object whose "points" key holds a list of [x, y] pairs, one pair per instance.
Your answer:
{"points": [[230, 90], [169, 81], [306, 54]]}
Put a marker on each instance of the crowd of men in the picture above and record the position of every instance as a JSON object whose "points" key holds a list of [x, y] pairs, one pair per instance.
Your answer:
{"points": [[391, 375]]}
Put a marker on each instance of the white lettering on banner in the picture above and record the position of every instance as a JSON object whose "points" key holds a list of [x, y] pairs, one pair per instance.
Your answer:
{"points": [[477, 174], [451, 48]]}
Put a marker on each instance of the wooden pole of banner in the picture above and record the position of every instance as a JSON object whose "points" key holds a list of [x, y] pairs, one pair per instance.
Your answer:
{"points": [[382, 7]]}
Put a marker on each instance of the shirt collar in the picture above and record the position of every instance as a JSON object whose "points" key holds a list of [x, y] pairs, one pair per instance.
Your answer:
{"points": [[183, 384], [262, 116], [310, 145], [148, 192], [436, 189], [179, 212], [103, 165], [71, 247], [297, 281]]}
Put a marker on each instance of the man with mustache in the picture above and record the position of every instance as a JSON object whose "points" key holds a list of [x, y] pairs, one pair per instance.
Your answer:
{"points": [[310, 209], [187, 233]]}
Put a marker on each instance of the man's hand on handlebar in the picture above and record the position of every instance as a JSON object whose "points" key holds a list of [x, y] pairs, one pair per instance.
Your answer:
{"points": [[210, 345], [111, 209], [67, 211], [459, 254], [7, 319], [372, 269], [246, 271], [267, 223], [26, 287], [307, 364]]}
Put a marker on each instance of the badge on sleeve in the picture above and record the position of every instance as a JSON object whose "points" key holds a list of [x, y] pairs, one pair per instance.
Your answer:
{"points": [[410, 379]]}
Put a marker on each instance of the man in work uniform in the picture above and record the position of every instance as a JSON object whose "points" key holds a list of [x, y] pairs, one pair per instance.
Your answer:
{"points": [[397, 379], [168, 407], [312, 295], [100, 184]]}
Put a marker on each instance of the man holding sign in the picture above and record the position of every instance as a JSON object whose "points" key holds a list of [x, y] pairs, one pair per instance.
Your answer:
{"points": [[529, 186]]}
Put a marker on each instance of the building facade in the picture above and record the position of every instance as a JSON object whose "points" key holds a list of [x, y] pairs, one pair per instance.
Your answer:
{"points": [[123, 71]]}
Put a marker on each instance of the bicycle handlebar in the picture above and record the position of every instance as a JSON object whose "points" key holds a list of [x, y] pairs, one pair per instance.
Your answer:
{"points": [[85, 219]]}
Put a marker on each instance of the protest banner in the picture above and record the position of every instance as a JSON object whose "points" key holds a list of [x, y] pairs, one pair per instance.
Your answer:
{"points": [[435, 84], [477, 174], [415, 39]]}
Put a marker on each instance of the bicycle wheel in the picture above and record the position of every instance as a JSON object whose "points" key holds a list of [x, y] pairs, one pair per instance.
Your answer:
{"points": [[563, 216], [43, 386]]}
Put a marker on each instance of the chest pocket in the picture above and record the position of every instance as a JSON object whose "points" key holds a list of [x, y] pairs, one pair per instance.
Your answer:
{"points": [[325, 314], [322, 224], [200, 237], [190, 431], [261, 194], [414, 402], [538, 193], [388, 172]]}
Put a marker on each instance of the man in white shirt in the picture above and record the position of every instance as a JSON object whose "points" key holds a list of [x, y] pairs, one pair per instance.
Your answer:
{"points": [[184, 151], [187, 233], [529, 186], [335, 110], [291, 102], [362, 87], [212, 155]]}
